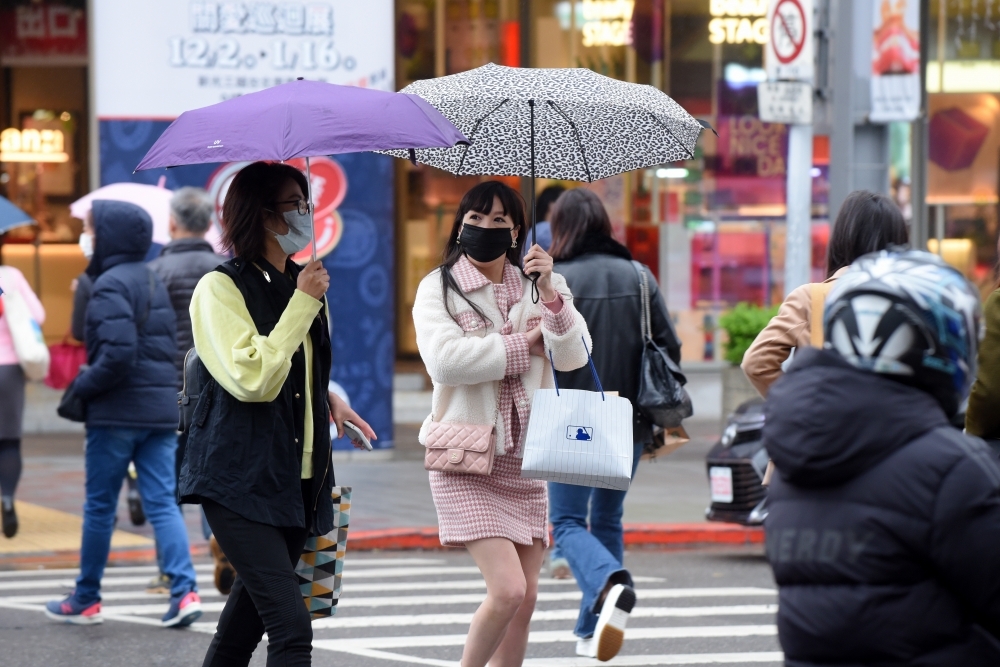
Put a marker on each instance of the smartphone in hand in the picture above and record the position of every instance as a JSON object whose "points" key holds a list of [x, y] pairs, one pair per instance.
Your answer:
{"points": [[356, 436]]}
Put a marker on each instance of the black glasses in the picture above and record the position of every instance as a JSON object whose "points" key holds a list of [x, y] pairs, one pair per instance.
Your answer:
{"points": [[301, 205]]}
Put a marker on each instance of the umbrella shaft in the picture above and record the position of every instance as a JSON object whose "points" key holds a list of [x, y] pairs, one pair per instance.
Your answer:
{"points": [[531, 106], [312, 209]]}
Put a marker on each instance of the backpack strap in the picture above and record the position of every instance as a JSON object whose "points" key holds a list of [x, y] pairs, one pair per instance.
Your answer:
{"points": [[817, 297]]}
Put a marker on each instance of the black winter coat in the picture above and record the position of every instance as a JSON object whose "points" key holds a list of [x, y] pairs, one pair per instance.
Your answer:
{"points": [[181, 264], [606, 292], [130, 338], [884, 524]]}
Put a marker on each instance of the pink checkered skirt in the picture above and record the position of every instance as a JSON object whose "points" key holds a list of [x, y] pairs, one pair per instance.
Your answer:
{"points": [[501, 504]]}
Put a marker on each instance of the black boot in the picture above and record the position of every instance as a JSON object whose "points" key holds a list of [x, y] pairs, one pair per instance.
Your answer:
{"points": [[9, 516]]}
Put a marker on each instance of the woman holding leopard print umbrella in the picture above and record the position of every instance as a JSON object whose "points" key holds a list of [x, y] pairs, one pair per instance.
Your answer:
{"points": [[485, 344]]}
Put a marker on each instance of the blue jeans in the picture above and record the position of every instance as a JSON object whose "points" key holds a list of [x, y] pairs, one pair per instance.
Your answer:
{"points": [[108, 453], [595, 556]]}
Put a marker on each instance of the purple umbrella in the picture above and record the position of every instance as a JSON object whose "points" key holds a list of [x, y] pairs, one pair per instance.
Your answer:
{"points": [[302, 119]]}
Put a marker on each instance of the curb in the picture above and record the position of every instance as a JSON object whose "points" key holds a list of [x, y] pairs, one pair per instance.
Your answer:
{"points": [[636, 535]]}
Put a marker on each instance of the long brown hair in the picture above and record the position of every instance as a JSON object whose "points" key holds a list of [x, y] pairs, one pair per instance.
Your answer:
{"points": [[867, 222], [480, 199], [251, 195], [578, 213]]}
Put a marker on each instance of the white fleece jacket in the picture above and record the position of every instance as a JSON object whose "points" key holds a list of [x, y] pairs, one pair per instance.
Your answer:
{"points": [[467, 361]]}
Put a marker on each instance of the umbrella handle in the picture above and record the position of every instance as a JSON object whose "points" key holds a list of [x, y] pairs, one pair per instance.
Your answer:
{"points": [[312, 209]]}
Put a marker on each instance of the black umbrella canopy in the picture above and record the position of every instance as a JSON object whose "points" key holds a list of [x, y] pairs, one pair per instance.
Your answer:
{"points": [[571, 124]]}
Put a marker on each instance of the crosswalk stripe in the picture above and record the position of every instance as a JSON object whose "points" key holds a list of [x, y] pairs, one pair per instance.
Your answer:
{"points": [[411, 659], [619, 661], [548, 637], [670, 659], [69, 583], [72, 571], [349, 564], [105, 596], [109, 582], [430, 600], [400, 620]]}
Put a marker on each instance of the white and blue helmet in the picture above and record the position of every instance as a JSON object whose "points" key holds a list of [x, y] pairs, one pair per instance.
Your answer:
{"points": [[910, 316]]}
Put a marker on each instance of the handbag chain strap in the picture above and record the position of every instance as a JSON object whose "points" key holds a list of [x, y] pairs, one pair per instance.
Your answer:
{"points": [[647, 322]]}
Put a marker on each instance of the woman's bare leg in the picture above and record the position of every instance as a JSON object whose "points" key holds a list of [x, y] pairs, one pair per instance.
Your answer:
{"points": [[500, 564], [511, 651]]}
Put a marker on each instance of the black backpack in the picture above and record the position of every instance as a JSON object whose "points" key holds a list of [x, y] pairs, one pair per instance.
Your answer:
{"points": [[196, 377]]}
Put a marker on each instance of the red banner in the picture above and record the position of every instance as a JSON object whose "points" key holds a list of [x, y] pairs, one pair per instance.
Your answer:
{"points": [[43, 33]]}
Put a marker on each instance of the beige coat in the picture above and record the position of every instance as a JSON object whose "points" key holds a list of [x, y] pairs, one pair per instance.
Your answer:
{"points": [[788, 329]]}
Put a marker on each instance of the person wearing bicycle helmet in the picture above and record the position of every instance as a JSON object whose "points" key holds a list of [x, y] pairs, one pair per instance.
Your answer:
{"points": [[884, 519]]}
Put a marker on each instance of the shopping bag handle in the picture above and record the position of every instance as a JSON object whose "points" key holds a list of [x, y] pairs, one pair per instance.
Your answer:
{"points": [[593, 370]]}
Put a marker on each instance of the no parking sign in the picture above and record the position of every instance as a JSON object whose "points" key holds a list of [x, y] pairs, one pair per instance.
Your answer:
{"points": [[790, 47]]}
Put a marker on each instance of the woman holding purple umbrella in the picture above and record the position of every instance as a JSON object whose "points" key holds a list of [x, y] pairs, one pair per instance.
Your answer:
{"points": [[258, 452]]}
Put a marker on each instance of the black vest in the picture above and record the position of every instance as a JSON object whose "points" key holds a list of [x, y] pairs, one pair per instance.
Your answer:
{"points": [[248, 456]]}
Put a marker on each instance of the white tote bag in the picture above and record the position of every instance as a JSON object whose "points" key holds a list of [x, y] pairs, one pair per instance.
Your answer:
{"points": [[579, 437], [29, 344]]}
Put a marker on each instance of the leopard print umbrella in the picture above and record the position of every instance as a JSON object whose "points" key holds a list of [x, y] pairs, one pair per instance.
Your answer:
{"points": [[571, 124]]}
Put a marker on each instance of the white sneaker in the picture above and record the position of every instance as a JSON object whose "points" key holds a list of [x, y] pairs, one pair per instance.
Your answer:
{"points": [[585, 647], [609, 635]]}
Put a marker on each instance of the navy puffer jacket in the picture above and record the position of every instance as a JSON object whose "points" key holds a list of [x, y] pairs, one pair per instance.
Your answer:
{"points": [[131, 339], [884, 524]]}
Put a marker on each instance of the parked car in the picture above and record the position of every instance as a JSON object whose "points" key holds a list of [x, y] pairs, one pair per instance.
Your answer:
{"points": [[736, 466]]}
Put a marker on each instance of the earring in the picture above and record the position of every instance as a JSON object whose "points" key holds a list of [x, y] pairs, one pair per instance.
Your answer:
{"points": [[513, 244]]}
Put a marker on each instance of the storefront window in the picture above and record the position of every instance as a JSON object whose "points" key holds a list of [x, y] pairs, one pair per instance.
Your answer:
{"points": [[711, 228], [44, 144], [963, 85]]}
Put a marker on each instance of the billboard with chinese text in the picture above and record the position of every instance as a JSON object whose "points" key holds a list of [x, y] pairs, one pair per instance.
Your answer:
{"points": [[158, 58]]}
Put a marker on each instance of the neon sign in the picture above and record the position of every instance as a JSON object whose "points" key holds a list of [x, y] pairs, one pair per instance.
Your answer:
{"points": [[607, 22], [738, 22], [32, 146]]}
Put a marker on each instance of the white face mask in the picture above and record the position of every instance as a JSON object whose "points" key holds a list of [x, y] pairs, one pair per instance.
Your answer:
{"points": [[87, 244], [299, 234]]}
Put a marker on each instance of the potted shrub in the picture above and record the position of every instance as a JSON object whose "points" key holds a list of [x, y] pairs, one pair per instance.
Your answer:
{"points": [[741, 324]]}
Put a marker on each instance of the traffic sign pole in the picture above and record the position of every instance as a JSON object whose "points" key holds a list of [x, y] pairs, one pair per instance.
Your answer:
{"points": [[798, 199]]}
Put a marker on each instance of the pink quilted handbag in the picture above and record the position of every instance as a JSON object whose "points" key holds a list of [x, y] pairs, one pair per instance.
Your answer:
{"points": [[465, 448]]}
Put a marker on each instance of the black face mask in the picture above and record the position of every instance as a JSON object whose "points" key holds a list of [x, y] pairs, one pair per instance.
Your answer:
{"points": [[484, 245]]}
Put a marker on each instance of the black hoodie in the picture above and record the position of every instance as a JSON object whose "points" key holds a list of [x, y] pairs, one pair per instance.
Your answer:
{"points": [[884, 524], [130, 329]]}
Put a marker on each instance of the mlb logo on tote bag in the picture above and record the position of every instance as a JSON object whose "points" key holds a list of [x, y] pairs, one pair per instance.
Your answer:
{"points": [[321, 564], [579, 437]]}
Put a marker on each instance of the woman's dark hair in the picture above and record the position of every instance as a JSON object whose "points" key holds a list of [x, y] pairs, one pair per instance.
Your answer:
{"points": [[251, 195], [548, 197], [867, 222], [578, 213], [480, 199]]}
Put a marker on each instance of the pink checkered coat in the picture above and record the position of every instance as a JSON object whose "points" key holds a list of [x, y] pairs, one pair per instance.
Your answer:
{"points": [[473, 364]]}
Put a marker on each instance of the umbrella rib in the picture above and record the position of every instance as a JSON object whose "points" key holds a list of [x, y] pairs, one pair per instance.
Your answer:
{"points": [[667, 130], [475, 128], [579, 141]]}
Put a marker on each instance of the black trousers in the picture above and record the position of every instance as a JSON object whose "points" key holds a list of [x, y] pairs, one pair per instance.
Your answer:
{"points": [[266, 595]]}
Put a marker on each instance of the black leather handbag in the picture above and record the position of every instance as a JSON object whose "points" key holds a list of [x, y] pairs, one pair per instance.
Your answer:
{"points": [[662, 398], [71, 406]]}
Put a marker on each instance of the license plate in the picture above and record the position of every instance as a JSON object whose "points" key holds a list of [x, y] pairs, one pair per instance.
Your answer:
{"points": [[721, 479]]}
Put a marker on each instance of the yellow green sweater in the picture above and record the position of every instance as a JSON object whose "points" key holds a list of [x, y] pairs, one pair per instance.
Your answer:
{"points": [[249, 366], [983, 415]]}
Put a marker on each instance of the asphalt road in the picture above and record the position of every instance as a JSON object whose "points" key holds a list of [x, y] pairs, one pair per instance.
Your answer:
{"points": [[695, 607]]}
